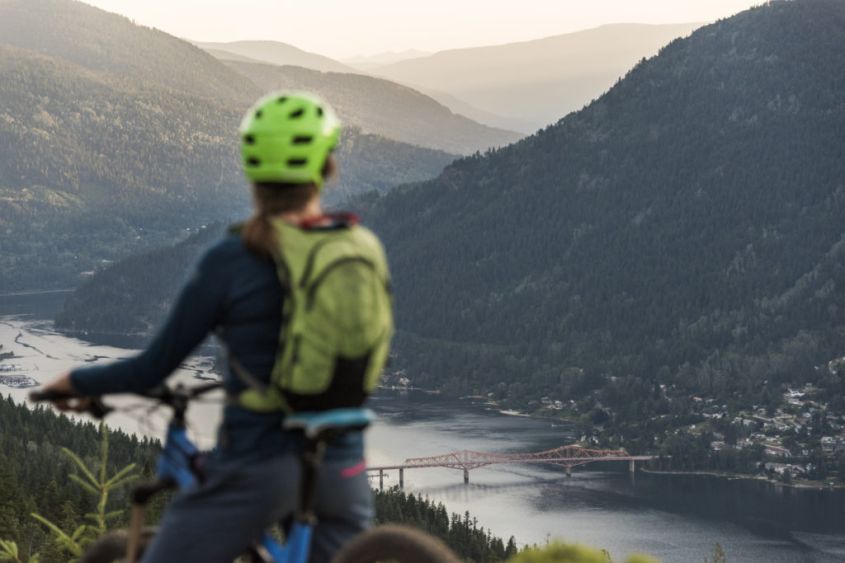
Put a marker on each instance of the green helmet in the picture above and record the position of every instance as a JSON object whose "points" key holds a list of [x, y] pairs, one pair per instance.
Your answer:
{"points": [[287, 137]]}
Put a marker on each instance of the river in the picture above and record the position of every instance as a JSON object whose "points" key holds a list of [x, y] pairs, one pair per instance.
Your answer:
{"points": [[677, 518]]}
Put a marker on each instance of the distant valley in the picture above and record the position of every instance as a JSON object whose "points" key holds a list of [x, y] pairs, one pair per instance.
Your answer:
{"points": [[516, 87]]}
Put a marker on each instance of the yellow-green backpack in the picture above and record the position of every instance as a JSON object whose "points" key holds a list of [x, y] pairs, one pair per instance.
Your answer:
{"points": [[337, 320]]}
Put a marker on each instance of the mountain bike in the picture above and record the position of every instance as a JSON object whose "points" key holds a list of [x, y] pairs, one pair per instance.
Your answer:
{"points": [[180, 467]]}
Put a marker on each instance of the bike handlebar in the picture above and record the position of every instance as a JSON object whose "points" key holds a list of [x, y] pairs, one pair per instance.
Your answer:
{"points": [[96, 407], [176, 398], [53, 396]]}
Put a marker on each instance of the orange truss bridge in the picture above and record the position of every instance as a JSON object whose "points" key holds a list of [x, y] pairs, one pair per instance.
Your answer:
{"points": [[466, 460]]}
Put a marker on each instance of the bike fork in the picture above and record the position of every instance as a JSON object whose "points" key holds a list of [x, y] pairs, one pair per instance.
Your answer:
{"points": [[141, 495], [136, 524]]}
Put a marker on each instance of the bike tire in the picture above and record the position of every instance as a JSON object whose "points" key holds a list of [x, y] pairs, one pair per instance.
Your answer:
{"points": [[111, 547], [396, 543]]}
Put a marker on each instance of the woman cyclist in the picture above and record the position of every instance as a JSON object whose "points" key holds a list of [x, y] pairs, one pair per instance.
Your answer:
{"points": [[235, 292]]}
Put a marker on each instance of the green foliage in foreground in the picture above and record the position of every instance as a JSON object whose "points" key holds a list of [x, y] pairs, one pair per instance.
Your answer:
{"points": [[99, 486], [36, 476], [565, 553], [718, 555], [461, 533], [72, 541], [557, 552]]}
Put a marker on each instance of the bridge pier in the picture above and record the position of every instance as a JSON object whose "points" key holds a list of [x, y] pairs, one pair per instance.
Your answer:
{"points": [[632, 466], [381, 479], [466, 476], [401, 478], [568, 469]]}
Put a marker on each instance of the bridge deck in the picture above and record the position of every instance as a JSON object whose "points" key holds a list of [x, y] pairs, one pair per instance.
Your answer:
{"points": [[457, 463]]}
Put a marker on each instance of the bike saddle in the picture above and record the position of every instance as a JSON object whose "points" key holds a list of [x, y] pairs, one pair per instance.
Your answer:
{"points": [[314, 424]]}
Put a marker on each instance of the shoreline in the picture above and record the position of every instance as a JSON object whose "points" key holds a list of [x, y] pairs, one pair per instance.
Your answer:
{"points": [[28, 292], [406, 388], [807, 486], [82, 332]]}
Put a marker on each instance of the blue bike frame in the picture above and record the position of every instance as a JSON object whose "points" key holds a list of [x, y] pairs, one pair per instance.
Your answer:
{"points": [[177, 464]]}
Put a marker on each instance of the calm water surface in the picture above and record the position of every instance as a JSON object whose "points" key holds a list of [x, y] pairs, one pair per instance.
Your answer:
{"points": [[677, 518]]}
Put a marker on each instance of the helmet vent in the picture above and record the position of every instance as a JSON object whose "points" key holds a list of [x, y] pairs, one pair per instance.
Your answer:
{"points": [[297, 113], [258, 114], [249, 140], [282, 99], [252, 161], [319, 111], [296, 162], [302, 139]]}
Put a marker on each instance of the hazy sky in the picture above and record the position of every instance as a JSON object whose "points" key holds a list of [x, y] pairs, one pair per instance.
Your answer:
{"points": [[344, 28]]}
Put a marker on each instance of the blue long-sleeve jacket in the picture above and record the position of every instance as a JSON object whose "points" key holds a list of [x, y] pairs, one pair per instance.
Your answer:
{"points": [[239, 296]]}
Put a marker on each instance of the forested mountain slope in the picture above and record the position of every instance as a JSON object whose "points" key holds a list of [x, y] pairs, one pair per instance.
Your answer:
{"points": [[383, 107], [681, 235], [90, 169], [132, 296], [103, 152], [685, 229], [35, 476]]}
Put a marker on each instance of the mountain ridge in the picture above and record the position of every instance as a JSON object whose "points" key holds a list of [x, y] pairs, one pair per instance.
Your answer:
{"points": [[279, 54], [492, 77], [382, 107], [366, 62]]}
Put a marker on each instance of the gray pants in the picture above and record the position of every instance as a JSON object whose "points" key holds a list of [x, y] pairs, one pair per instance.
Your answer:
{"points": [[227, 514]]}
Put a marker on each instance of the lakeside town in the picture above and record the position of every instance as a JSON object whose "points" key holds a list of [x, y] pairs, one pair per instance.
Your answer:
{"points": [[797, 437], [802, 440]]}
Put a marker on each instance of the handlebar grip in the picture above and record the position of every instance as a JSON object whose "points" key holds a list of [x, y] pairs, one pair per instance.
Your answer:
{"points": [[52, 396], [96, 407]]}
